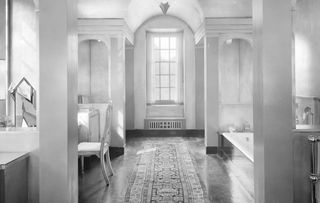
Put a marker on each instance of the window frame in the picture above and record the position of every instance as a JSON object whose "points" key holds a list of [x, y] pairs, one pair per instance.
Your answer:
{"points": [[178, 73]]}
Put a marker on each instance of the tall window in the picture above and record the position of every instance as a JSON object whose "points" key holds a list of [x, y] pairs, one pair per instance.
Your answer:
{"points": [[164, 68]]}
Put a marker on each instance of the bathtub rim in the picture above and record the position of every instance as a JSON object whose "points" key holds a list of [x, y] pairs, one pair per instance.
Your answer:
{"points": [[241, 149]]}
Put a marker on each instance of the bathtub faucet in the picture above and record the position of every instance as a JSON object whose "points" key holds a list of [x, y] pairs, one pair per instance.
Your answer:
{"points": [[246, 126]]}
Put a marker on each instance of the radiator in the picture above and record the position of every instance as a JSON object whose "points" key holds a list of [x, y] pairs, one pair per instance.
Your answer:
{"points": [[164, 124]]}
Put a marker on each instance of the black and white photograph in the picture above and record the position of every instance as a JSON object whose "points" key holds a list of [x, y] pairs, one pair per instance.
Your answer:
{"points": [[159, 101]]}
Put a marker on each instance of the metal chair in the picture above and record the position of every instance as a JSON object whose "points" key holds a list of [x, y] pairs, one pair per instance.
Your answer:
{"points": [[100, 149]]}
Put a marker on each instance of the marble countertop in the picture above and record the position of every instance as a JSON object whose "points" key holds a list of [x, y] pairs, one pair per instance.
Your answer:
{"points": [[8, 157], [14, 129], [307, 128]]}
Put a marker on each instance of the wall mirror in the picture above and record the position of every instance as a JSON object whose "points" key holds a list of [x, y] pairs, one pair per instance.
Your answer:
{"points": [[19, 62], [305, 53]]}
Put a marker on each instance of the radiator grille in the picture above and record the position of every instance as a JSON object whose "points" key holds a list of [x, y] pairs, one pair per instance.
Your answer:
{"points": [[164, 124]]}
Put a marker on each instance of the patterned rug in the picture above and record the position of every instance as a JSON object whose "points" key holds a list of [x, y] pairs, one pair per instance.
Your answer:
{"points": [[165, 173]]}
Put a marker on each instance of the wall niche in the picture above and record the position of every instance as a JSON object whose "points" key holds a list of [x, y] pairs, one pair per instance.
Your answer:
{"points": [[93, 72], [235, 82]]}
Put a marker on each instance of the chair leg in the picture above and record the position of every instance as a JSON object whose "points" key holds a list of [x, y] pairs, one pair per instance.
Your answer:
{"points": [[109, 163], [104, 170], [82, 164]]}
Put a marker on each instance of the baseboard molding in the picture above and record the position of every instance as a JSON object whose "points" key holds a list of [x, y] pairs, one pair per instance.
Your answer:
{"points": [[211, 150], [165, 133], [116, 151]]}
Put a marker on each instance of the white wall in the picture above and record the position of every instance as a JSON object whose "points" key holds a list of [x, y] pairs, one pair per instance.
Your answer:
{"points": [[163, 22], [58, 139], [84, 68], [235, 77], [273, 140]]}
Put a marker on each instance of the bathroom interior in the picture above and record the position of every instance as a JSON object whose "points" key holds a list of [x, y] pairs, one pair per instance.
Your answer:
{"points": [[99, 81]]}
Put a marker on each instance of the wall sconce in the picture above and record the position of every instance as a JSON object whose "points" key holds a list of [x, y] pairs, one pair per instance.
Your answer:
{"points": [[229, 41]]}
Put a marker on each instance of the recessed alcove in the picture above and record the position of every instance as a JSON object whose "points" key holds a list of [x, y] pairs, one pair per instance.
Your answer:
{"points": [[235, 81], [93, 72]]}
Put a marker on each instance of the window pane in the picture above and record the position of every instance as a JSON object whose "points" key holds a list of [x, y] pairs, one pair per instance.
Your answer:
{"points": [[156, 43], [155, 55], [164, 42], [173, 94], [173, 69], [157, 81], [156, 94], [173, 81], [173, 55], [164, 93], [164, 55], [164, 68], [156, 69], [164, 81], [173, 42]]}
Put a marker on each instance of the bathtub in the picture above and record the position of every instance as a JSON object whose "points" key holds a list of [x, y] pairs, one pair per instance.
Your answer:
{"points": [[242, 141]]}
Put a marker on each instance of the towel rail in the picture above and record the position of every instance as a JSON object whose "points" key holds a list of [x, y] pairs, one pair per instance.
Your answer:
{"points": [[314, 173]]}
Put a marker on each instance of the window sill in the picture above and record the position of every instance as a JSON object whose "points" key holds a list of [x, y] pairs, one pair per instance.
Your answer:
{"points": [[165, 104]]}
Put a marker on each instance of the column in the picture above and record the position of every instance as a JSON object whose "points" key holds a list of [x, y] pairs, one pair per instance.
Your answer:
{"points": [[118, 92], [199, 53], [3, 61], [129, 87], [273, 159], [211, 94], [58, 139]]}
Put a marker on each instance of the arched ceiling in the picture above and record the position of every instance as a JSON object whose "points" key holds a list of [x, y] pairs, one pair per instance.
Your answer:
{"points": [[137, 12]]}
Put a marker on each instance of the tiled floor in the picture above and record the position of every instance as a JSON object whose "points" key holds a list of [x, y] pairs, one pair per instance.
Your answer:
{"points": [[226, 181]]}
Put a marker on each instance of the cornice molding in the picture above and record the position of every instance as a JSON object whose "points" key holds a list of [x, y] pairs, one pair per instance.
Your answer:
{"points": [[110, 27], [200, 33], [223, 26]]}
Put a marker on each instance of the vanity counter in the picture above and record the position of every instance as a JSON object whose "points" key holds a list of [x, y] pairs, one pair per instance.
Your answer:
{"points": [[13, 140], [17, 129], [9, 157], [13, 177]]}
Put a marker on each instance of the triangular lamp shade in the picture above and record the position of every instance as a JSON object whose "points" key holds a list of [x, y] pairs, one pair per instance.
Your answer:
{"points": [[164, 7]]}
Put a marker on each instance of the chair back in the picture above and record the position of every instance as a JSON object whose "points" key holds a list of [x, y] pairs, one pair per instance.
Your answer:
{"points": [[106, 136]]}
